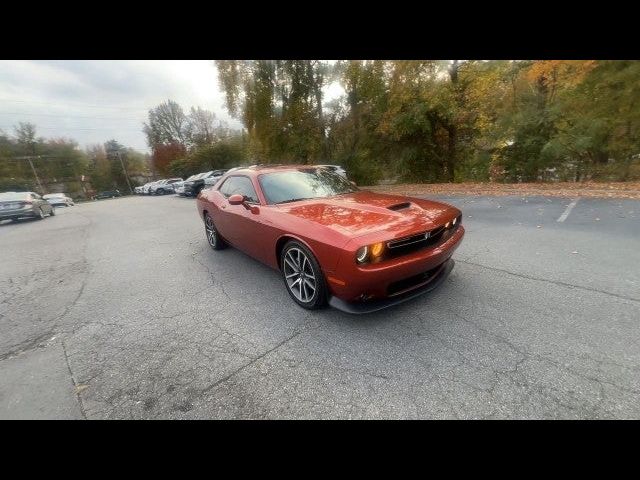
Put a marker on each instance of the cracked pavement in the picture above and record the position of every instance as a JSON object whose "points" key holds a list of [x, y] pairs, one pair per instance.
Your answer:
{"points": [[119, 309]]}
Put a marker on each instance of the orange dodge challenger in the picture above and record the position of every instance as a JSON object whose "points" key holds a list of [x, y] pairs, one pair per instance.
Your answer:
{"points": [[333, 243]]}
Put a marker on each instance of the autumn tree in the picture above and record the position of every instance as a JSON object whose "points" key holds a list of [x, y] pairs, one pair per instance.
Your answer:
{"points": [[280, 103]]}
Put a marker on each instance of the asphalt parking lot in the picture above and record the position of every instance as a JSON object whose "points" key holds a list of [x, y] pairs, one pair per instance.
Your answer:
{"points": [[119, 309]]}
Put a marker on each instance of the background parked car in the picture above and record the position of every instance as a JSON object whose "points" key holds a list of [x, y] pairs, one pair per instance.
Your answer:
{"points": [[163, 186], [14, 205], [146, 187], [192, 188], [178, 187], [211, 180], [59, 199], [107, 194]]}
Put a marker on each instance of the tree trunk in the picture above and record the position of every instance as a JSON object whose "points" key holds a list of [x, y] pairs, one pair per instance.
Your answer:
{"points": [[451, 153]]}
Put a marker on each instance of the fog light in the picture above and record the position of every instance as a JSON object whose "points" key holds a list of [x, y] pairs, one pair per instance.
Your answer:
{"points": [[455, 220], [447, 225]]}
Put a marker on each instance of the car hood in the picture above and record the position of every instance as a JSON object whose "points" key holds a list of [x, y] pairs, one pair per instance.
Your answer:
{"points": [[364, 212]]}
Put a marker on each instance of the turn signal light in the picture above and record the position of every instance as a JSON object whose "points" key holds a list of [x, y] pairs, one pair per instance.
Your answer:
{"points": [[377, 249]]}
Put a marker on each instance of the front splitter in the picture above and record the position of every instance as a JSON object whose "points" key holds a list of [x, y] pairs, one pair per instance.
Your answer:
{"points": [[357, 308]]}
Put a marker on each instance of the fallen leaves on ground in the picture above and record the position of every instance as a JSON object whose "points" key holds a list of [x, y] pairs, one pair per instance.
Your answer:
{"points": [[81, 388], [629, 190]]}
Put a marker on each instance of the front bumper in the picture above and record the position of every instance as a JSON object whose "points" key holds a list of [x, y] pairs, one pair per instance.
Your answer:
{"points": [[389, 280], [433, 282]]}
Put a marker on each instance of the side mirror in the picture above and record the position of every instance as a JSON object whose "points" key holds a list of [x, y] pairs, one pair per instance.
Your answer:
{"points": [[236, 199]]}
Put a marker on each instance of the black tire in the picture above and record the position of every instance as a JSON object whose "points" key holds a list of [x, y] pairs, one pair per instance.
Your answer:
{"points": [[303, 279], [53, 212], [40, 214], [213, 237], [160, 191]]}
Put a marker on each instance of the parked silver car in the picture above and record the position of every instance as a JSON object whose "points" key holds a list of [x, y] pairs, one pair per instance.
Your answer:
{"points": [[163, 186], [15, 205], [59, 199]]}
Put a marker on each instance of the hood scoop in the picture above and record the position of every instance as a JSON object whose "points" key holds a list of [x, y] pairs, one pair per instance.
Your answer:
{"points": [[399, 206]]}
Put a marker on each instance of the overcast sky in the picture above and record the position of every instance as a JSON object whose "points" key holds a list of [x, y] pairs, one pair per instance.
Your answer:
{"points": [[94, 101]]}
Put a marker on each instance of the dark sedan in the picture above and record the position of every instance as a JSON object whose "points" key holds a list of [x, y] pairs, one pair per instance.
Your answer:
{"points": [[15, 205], [193, 187], [107, 194]]}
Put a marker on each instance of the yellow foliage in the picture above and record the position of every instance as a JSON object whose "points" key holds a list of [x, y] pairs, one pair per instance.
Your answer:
{"points": [[566, 72]]}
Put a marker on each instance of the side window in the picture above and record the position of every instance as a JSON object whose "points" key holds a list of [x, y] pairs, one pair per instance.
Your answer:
{"points": [[241, 185]]}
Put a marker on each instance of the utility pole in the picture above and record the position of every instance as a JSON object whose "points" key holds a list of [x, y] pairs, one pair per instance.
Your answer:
{"points": [[33, 169], [126, 175], [35, 174]]}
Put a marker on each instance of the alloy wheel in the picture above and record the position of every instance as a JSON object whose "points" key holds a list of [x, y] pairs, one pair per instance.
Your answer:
{"points": [[299, 275], [212, 236]]}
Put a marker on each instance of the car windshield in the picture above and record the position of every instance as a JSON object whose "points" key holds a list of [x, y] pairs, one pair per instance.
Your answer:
{"points": [[54, 195], [302, 184], [10, 196]]}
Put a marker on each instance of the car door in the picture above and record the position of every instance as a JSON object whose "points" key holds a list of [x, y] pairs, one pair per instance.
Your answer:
{"points": [[238, 224]]}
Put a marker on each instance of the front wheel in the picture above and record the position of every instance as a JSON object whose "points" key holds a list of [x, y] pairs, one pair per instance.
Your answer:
{"points": [[302, 276], [40, 214], [213, 237]]}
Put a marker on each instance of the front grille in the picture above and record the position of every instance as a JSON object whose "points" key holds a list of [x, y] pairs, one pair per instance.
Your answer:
{"points": [[400, 286], [404, 246]]}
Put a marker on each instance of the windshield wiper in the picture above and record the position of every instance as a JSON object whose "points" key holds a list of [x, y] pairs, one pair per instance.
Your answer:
{"points": [[294, 200]]}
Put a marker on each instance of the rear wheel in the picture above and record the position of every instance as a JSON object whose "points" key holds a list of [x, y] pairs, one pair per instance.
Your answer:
{"points": [[302, 276], [160, 191], [213, 237]]}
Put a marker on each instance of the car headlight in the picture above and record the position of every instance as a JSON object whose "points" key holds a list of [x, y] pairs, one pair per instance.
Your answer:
{"points": [[362, 254], [369, 252]]}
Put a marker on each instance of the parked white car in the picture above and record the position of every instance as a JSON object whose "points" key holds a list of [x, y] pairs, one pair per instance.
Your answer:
{"points": [[145, 188], [58, 199]]}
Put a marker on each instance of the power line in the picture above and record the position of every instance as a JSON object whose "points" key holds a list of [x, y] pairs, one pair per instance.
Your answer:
{"points": [[67, 116], [74, 104], [128, 129]]}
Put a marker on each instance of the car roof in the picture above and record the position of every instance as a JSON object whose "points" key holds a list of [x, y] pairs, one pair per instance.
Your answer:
{"points": [[264, 168]]}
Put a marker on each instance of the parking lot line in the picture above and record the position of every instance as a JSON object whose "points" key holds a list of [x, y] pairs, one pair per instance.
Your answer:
{"points": [[566, 213]]}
